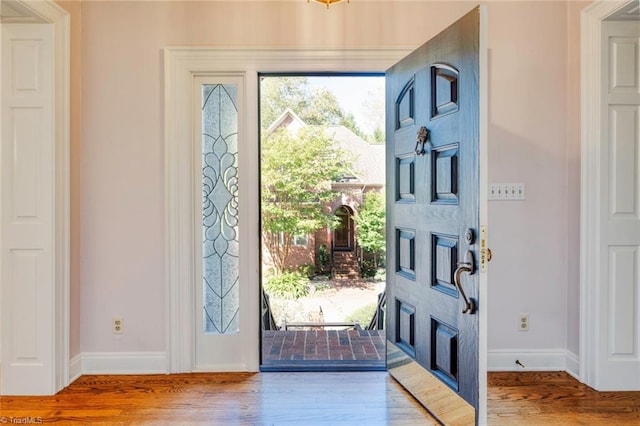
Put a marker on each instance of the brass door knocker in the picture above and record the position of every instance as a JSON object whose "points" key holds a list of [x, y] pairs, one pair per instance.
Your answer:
{"points": [[423, 146]]}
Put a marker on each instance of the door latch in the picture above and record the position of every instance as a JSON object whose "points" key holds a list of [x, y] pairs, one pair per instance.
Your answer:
{"points": [[485, 251]]}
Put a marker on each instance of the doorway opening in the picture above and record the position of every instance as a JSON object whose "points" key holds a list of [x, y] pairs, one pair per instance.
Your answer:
{"points": [[343, 233], [322, 222]]}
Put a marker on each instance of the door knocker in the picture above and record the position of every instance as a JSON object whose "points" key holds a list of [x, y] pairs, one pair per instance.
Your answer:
{"points": [[423, 145]]}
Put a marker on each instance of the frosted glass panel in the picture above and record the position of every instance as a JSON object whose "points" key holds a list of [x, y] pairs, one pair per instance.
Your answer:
{"points": [[220, 208]]}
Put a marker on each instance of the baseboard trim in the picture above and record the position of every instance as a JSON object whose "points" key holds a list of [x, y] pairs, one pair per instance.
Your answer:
{"points": [[573, 365], [156, 362], [123, 362], [533, 360], [75, 368]]}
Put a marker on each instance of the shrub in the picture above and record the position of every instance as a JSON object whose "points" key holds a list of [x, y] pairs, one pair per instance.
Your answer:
{"points": [[308, 270], [288, 285], [368, 268], [324, 257], [363, 314]]}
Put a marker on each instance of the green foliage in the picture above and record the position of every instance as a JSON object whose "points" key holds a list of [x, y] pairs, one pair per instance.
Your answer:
{"points": [[368, 268], [308, 270], [373, 105], [297, 171], [371, 223], [363, 315], [287, 285], [378, 136], [324, 257], [315, 106], [371, 231], [381, 275]]}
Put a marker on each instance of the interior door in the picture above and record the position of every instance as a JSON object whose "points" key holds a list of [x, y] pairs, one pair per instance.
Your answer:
{"points": [[618, 357], [27, 174], [433, 215]]}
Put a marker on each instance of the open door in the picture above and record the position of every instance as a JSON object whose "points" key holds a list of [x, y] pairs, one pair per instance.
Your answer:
{"points": [[433, 208]]}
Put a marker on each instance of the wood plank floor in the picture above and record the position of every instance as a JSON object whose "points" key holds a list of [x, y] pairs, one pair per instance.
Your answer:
{"points": [[556, 398], [355, 398]]}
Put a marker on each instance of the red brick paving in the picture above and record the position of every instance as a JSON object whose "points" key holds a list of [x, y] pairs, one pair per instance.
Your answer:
{"points": [[322, 345]]}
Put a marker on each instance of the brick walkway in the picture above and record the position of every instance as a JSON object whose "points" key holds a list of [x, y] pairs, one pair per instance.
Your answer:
{"points": [[323, 348]]}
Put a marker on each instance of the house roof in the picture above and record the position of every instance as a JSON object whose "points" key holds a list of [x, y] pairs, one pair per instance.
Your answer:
{"points": [[370, 158], [289, 120], [369, 163]]}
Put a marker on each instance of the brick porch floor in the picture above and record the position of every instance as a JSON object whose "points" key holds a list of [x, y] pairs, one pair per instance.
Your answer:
{"points": [[318, 349]]}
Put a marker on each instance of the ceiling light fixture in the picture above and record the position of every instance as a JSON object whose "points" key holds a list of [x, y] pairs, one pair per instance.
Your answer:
{"points": [[327, 2]]}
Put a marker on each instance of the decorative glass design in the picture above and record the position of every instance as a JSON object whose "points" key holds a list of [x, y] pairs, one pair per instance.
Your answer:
{"points": [[220, 249]]}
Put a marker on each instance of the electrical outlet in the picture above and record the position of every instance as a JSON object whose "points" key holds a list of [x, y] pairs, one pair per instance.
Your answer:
{"points": [[523, 322], [118, 326]]}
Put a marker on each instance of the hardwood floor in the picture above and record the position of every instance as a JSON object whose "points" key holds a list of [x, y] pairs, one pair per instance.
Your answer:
{"points": [[358, 398], [556, 398], [355, 398]]}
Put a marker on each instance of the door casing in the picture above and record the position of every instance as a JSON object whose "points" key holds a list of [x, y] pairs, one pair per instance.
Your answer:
{"points": [[181, 66], [590, 254]]}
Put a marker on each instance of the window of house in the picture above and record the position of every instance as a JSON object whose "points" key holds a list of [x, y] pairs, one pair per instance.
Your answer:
{"points": [[297, 240], [300, 240]]}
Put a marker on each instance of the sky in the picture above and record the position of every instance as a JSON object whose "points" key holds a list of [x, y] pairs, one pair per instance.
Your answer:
{"points": [[351, 93]]}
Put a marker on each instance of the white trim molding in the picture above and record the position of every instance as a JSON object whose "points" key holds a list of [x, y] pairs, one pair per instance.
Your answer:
{"points": [[533, 360], [120, 363], [591, 19], [572, 365], [181, 65], [75, 368]]}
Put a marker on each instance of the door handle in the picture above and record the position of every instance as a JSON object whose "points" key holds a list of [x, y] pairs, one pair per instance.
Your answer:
{"points": [[467, 266]]}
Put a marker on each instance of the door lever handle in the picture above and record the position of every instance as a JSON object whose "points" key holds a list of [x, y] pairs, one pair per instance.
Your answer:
{"points": [[467, 266]]}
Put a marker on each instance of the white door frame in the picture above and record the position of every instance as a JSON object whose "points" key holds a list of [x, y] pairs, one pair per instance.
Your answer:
{"points": [[181, 66], [591, 86], [47, 11]]}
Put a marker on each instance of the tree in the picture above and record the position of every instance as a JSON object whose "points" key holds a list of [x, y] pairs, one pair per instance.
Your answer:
{"points": [[315, 106], [377, 136], [297, 171], [371, 224], [373, 104]]}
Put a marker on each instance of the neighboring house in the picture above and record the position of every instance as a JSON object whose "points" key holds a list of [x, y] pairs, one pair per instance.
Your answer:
{"points": [[367, 175]]}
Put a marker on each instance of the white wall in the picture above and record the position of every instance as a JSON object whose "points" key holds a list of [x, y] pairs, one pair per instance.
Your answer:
{"points": [[527, 139], [533, 139]]}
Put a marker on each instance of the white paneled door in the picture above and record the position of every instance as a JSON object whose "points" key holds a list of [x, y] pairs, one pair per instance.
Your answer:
{"points": [[27, 211], [618, 319]]}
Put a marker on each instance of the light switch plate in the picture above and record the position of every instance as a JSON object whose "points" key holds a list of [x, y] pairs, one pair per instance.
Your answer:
{"points": [[507, 191]]}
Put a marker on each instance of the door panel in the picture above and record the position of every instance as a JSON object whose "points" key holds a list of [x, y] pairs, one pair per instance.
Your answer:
{"points": [[28, 178], [433, 217]]}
